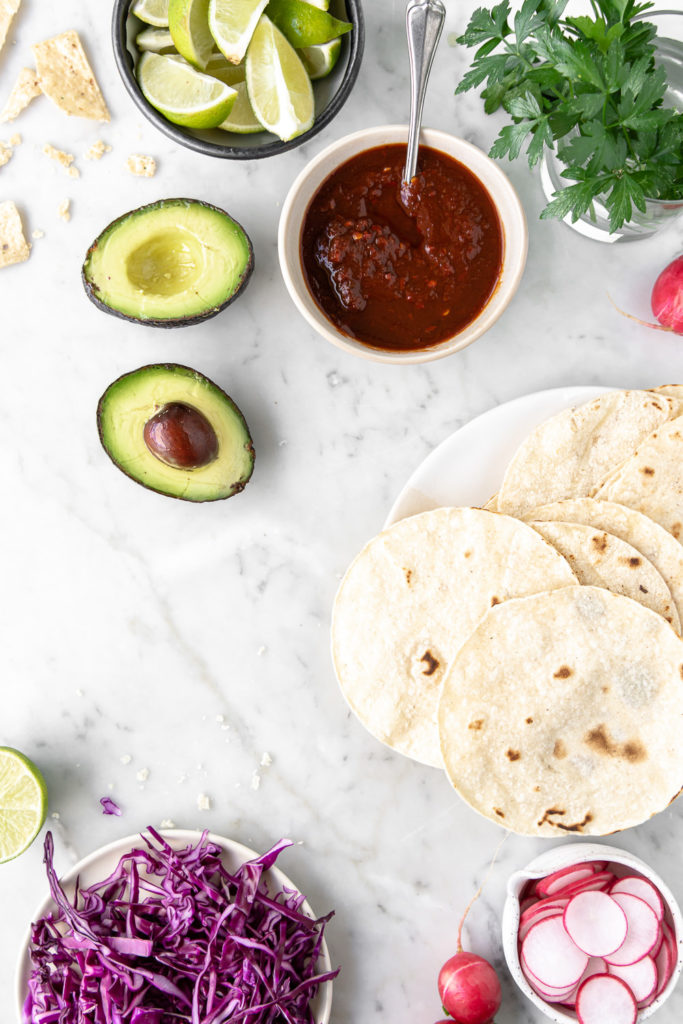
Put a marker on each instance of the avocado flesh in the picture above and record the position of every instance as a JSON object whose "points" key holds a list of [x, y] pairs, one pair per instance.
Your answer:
{"points": [[177, 261], [133, 399]]}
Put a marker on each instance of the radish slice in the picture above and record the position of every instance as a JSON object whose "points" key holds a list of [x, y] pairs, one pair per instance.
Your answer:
{"points": [[643, 930], [641, 977], [642, 888], [604, 999], [596, 923], [551, 995], [541, 916], [602, 881], [551, 956], [665, 961], [560, 879], [596, 965]]}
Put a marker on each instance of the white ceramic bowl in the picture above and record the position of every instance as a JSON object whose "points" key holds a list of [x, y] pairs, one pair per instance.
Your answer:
{"points": [[506, 200], [565, 856], [98, 865]]}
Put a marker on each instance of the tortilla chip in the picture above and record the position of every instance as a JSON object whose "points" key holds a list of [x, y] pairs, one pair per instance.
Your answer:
{"points": [[26, 88], [141, 165], [5, 154], [8, 8], [66, 77], [13, 246]]}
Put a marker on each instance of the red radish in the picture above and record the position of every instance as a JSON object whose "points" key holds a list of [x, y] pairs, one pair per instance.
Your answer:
{"points": [[642, 888], [596, 923], [667, 297], [596, 965], [641, 977], [551, 956], [524, 926], [601, 882], [604, 999], [560, 879], [643, 930]]}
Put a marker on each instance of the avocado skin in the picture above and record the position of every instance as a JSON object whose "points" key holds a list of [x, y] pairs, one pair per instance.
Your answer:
{"points": [[91, 289], [172, 367]]}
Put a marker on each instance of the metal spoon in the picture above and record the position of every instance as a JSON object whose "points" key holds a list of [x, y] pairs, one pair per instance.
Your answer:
{"points": [[424, 22]]}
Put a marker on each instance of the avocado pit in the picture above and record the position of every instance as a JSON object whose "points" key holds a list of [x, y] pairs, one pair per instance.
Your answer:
{"points": [[181, 436]]}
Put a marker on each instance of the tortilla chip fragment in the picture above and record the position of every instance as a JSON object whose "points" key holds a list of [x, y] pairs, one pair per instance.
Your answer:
{"points": [[5, 154], [143, 166], [25, 89], [97, 150], [8, 8], [13, 246], [63, 209], [15, 140], [66, 77], [37, 233], [65, 159]]}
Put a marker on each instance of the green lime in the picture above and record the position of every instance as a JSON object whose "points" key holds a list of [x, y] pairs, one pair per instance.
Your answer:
{"points": [[220, 68], [319, 60], [158, 40], [188, 22], [322, 5], [182, 94], [279, 87], [153, 12], [304, 24], [232, 24], [23, 803], [242, 120]]}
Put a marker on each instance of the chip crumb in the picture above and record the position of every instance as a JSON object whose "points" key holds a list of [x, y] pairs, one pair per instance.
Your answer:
{"points": [[266, 759], [15, 140], [261, 651], [65, 160], [64, 210], [125, 759], [142, 775], [79, 693], [24, 90], [13, 245], [97, 150], [6, 153], [203, 802], [65, 76], [37, 233], [56, 815], [141, 165], [255, 781], [220, 719], [167, 823]]}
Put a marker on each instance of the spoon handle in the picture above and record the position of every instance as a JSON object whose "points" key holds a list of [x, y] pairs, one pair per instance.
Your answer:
{"points": [[424, 22]]}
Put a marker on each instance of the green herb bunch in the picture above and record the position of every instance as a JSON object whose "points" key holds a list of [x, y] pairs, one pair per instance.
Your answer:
{"points": [[589, 85]]}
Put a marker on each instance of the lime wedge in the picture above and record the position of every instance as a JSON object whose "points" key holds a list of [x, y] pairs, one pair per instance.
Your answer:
{"points": [[152, 12], [322, 5], [319, 60], [304, 24], [279, 87], [242, 120], [232, 24], [188, 22], [158, 40], [220, 68], [23, 803], [182, 94]]}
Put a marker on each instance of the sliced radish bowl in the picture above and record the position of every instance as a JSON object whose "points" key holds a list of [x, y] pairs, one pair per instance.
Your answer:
{"points": [[597, 941]]}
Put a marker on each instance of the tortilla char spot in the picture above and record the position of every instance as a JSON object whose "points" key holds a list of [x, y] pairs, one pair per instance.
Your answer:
{"points": [[563, 672], [495, 601], [478, 722], [499, 812], [408, 575], [431, 663], [605, 689], [676, 530], [634, 561], [468, 554], [634, 751], [647, 471], [552, 811], [512, 755], [578, 826], [599, 541], [599, 740], [680, 671], [642, 589], [530, 720], [675, 796], [537, 789], [559, 750]]}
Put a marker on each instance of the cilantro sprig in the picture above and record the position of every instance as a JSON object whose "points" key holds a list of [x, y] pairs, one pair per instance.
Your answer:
{"points": [[587, 86]]}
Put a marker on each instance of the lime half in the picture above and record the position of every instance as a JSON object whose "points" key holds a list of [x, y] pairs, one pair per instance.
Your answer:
{"points": [[152, 12], [182, 94], [242, 120], [319, 60], [23, 803], [188, 23], [279, 87], [232, 24]]}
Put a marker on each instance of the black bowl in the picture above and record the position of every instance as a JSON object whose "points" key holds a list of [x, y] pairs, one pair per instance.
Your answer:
{"points": [[330, 93]]}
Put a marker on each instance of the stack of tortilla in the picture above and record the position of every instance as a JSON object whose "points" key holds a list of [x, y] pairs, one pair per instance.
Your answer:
{"points": [[532, 648]]}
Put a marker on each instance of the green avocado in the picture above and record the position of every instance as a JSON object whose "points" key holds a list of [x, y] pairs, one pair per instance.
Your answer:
{"points": [[170, 264], [174, 431]]}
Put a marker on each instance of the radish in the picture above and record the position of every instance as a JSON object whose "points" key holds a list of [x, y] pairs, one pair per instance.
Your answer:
{"points": [[641, 977], [551, 956], [602, 881], [643, 930], [604, 999], [666, 300], [596, 923], [560, 879], [524, 926], [642, 888]]}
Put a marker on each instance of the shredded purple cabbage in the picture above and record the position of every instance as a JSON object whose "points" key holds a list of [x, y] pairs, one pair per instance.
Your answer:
{"points": [[109, 806], [171, 936]]}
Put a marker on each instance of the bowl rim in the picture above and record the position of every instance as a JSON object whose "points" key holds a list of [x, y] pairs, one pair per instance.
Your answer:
{"points": [[502, 192], [114, 850], [183, 136], [566, 855]]}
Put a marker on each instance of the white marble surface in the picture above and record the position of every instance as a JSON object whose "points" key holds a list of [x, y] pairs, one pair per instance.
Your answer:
{"points": [[153, 650]]}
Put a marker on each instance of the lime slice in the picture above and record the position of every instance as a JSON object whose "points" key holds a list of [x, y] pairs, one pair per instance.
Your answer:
{"points": [[304, 24], [279, 87], [319, 60], [188, 22], [182, 94], [232, 24], [153, 12], [242, 120], [158, 40], [322, 5], [220, 68], [23, 803]]}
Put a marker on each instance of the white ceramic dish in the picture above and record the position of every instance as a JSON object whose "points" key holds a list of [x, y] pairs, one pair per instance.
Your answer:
{"points": [[467, 468], [101, 863], [565, 856], [489, 173]]}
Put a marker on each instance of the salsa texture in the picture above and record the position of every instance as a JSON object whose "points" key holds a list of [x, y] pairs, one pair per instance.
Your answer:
{"points": [[401, 267]]}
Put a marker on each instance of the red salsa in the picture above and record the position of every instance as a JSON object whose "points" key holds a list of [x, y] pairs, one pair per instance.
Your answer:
{"points": [[401, 268]]}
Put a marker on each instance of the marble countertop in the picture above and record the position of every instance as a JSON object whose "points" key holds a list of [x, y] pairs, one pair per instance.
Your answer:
{"points": [[157, 651]]}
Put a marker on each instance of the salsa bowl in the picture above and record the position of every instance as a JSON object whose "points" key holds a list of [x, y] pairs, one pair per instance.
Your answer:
{"points": [[487, 174]]}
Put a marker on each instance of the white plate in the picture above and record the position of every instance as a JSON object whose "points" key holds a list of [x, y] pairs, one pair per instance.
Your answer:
{"points": [[467, 468], [101, 863]]}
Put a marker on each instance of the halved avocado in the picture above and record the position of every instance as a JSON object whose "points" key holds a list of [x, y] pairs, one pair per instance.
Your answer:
{"points": [[174, 431], [170, 264]]}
